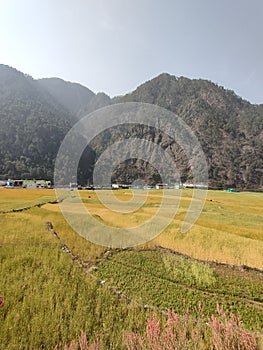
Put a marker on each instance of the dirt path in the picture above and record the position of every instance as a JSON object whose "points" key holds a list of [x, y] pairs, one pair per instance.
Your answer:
{"points": [[31, 206]]}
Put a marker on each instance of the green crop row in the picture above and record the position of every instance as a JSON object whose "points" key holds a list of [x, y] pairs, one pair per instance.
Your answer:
{"points": [[168, 281]]}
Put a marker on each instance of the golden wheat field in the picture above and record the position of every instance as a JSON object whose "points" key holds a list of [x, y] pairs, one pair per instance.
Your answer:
{"points": [[41, 282], [229, 229]]}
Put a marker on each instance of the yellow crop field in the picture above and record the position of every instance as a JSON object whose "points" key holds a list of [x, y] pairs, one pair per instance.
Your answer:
{"points": [[229, 229], [49, 299]]}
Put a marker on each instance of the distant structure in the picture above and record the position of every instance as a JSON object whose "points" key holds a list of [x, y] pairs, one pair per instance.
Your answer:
{"points": [[232, 190], [161, 186], [25, 183], [73, 186], [37, 184], [115, 186], [191, 185], [14, 183]]}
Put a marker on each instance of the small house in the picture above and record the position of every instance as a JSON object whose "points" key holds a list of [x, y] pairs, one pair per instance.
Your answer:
{"points": [[115, 186], [161, 186]]}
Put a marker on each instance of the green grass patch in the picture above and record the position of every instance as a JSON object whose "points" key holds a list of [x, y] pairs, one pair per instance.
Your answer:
{"points": [[166, 281]]}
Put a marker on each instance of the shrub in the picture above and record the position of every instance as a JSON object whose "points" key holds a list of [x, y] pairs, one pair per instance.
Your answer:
{"points": [[228, 333], [82, 344], [184, 332]]}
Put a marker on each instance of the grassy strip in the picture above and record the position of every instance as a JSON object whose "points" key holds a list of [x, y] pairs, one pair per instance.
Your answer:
{"points": [[166, 281], [48, 299]]}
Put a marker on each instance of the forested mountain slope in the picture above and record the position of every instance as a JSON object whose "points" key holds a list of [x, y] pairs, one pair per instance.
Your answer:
{"points": [[35, 115], [33, 124], [229, 129]]}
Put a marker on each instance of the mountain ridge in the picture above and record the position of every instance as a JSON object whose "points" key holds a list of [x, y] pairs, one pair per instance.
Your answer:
{"points": [[229, 128]]}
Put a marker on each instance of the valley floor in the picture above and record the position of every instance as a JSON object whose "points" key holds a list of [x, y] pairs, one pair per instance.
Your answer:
{"points": [[54, 288]]}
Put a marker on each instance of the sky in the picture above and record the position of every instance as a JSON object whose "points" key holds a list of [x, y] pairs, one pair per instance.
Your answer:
{"points": [[115, 45]]}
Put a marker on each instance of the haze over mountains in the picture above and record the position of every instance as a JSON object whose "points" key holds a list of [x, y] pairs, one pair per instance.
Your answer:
{"points": [[35, 115]]}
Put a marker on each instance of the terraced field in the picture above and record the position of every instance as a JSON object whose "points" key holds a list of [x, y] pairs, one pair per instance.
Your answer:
{"points": [[166, 280], [108, 292]]}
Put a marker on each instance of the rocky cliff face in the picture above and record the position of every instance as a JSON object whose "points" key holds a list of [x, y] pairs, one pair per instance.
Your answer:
{"points": [[229, 129]]}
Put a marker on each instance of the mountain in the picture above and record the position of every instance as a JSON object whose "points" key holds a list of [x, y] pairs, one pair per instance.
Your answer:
{"points": [[98, 101], [33, 125], [77, 99], [229, 129], [36, 114], [70, 95]]}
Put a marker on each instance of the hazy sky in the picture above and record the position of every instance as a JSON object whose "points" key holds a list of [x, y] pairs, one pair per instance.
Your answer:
{"points": [[115, 45]]}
